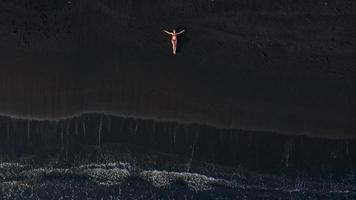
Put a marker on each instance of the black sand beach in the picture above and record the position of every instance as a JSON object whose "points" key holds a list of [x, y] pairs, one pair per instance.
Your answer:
{"points": [[264, 85]]}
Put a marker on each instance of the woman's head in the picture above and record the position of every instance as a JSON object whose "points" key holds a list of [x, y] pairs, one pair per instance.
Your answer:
{"points": [[174, 30]]}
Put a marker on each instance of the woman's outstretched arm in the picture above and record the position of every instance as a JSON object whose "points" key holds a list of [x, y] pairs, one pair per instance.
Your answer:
{"points": [[168, 32], [180, 32]]}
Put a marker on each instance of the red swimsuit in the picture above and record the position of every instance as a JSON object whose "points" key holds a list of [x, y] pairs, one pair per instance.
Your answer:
{"points": [[174, 37]]}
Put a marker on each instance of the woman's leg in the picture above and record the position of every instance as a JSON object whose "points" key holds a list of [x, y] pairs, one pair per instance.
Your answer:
{"points": [[174, 46]]}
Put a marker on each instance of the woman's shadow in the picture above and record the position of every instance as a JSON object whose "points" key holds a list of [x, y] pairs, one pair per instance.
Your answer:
{"points": [[183, 38]]}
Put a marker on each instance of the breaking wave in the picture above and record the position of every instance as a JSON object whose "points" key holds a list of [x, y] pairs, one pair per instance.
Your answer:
{"points": [[120, 180]]}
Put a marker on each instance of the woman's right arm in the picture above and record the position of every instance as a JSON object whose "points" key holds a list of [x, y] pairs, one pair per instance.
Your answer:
{"points": [[168, 32]]}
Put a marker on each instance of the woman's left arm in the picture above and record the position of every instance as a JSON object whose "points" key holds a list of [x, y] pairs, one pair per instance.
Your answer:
{"points": [[181, 32]]}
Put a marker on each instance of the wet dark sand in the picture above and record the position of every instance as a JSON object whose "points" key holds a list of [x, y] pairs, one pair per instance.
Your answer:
{"points": [[67, 141]]}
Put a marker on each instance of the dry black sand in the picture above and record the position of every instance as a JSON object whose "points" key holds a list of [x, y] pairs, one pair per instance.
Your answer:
{"points": [[287, 67]]}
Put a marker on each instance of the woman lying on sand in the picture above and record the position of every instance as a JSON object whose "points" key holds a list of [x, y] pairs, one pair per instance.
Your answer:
{"points": [[174, 35]]}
